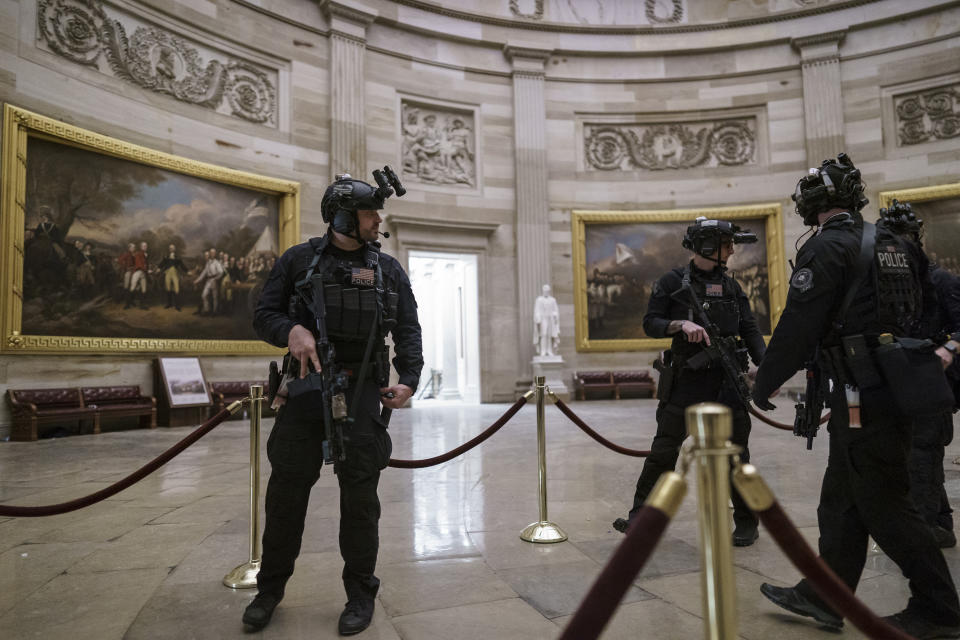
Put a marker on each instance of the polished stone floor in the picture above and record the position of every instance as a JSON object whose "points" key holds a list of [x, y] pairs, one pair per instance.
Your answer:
{"points": [[148, 562]]}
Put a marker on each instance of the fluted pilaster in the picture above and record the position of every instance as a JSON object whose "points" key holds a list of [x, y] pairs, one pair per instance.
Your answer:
{"points": [[348, 145], [533, 223], [822, 99]]}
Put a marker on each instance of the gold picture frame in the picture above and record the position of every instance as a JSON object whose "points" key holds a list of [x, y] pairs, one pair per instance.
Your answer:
{"points": [[275, 201], [628, 242], [939, 208]]}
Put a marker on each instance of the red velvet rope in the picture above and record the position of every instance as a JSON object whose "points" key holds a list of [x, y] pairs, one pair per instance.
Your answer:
{"points": [[822, 578], [117, 487], [621, 569], [780, 425], [567, 411], [450, 455]]}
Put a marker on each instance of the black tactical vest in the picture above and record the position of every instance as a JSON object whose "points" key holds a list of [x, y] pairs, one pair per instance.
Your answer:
{"points": [[719, 300]]}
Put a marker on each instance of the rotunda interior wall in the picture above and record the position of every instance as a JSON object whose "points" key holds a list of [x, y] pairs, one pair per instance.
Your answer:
{"points": [[421, 62]]}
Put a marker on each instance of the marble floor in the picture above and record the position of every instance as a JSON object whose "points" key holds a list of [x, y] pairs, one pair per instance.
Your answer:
{"points": [[148, 562]]}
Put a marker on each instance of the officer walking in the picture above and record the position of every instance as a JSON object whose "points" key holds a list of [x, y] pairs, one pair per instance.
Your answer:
{"points": [[362, 288], [847, 300], [687, 374]]}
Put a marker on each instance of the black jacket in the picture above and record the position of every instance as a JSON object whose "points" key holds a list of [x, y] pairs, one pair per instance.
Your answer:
{"points": [[272, 321]]}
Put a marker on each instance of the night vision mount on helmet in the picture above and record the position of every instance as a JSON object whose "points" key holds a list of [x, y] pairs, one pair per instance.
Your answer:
{"points": [[346, 196], [900, 218], [705, 236], [835, 184]]}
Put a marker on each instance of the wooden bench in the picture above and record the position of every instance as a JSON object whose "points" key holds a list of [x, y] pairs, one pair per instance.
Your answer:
{"points": [[120, 402], [225, 392], [605, 385], [33, 407]]}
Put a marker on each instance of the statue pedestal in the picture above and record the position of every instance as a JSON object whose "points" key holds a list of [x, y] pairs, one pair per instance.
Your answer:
{"points": [[551, 368]]}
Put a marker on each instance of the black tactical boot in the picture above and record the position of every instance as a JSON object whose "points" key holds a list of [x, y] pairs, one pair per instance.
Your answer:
{"points": [[945, 538], [621, 525], [795, 602], [258, 613], [745, 535], [356, 616]]}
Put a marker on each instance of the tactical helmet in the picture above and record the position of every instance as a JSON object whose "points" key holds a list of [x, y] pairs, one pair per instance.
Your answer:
{"points": [[704, 236], [346, 196], [901, 219], [836, 183]]}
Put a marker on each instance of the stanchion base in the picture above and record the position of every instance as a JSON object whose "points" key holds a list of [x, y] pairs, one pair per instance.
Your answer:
{"points": [[543, 533], [244, 576]]}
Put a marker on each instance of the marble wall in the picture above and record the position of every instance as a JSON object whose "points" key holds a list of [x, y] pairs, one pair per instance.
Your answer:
{"points": [[752, 94]]}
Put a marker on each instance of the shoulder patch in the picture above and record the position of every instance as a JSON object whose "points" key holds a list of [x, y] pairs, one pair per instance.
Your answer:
{"points": [[802, 279]]}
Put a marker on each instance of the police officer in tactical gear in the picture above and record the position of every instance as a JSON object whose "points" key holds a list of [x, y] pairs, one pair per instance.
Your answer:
{"points": [[846, 303], [931, 433], [686, 377], [362, 288]]}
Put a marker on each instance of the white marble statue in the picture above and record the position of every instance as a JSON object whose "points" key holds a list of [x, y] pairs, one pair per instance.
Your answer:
{"points": [[546, 324]]}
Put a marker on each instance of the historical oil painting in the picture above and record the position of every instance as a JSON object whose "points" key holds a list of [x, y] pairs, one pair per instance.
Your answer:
{"points": [[119, 249], [939, 208], [620, 255]]}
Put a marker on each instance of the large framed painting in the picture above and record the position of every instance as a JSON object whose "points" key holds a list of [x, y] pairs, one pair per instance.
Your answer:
{"points": [[939, 208], [113, 247], [619, 255]]}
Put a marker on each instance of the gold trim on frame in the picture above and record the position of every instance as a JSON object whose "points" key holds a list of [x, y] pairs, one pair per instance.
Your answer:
{"points": [[18, 125], [920, 194], [770, 212]]}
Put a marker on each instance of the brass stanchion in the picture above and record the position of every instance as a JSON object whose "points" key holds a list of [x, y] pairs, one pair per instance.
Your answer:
{"points": [[710, 425], [542, 531], [245, 576]]}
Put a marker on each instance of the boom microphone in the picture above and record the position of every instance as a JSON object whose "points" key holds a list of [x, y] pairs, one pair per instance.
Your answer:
{"points": [[385, 234]]}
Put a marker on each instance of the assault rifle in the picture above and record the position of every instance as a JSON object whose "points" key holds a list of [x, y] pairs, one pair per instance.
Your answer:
{"points": [[330, 383], [726, 350], [806, 422]]}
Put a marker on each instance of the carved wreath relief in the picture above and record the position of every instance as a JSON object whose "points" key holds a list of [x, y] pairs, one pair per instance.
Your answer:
{"points": [[931, 114], [82, 31], [438, 145], [671, 145]]}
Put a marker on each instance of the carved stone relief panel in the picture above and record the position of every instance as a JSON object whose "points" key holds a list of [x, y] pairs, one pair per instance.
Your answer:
{"points": [[121, 44], [601, 12], [673, 145], [439, 144], [928, 115]]}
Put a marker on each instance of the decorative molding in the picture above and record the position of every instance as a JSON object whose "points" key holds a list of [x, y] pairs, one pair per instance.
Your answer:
{"points": [[156, 59], [676, 15], [347, 12], [820, 38], [537, 10], [439, 144], [928, 114], [678, 145]]}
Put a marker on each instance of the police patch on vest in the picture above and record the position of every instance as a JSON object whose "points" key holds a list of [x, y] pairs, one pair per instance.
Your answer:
{"points": [[362, 276], [891, 260], [802, 279], [715, 290]]}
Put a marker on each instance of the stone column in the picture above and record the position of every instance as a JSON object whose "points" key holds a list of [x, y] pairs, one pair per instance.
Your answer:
{"points": [[533, 222], [348, 46], [822, 101]]}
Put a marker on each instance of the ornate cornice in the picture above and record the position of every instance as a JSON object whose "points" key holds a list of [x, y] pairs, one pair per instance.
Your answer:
{"points": [[351, 12], [820, 38]]}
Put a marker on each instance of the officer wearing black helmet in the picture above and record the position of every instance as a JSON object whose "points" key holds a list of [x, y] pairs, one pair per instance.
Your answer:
{"points": [[361, 288], [931, 433], [856, 298], [686, 377]]}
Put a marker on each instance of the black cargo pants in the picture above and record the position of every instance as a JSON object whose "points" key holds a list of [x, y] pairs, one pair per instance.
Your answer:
{"points": [[295, 454]]}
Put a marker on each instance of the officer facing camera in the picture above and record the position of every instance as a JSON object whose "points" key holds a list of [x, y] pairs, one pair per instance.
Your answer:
{"points": [[332, 301], [858, 296], [708, 315]]}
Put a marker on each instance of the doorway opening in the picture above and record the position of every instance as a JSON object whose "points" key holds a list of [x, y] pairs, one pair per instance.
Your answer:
{"points": [[445, 285]]}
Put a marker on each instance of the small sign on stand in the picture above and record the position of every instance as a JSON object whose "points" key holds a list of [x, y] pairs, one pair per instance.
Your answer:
{"points": [[183, 397]]}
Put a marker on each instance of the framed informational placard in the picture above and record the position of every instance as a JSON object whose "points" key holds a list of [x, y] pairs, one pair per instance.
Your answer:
{"points": [[183, 382], [110, 247], [619, 255]]}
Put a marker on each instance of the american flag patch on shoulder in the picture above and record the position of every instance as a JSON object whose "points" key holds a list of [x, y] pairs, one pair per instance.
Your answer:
{"points": [[362, 276], [714, 290]]}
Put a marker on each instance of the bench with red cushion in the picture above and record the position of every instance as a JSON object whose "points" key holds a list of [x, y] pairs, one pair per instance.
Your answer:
{"points": [[122, 401], [594, 385], [223, 393], [634, 384], [33, 407]]}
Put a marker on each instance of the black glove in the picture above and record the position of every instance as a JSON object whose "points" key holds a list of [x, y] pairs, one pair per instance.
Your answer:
{"points": [[762, 402]]}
